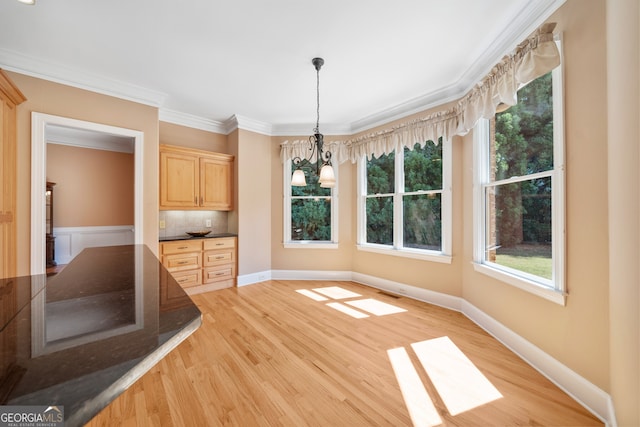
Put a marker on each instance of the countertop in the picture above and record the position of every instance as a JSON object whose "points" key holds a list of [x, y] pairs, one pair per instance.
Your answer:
{"points": [[81, 337], [187, 237]]}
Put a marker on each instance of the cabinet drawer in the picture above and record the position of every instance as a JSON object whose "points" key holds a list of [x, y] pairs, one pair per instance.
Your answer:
{"points": [[213, 274], [179, 262], [212, 258], [181, 246], [220, 243], [188, 278]]}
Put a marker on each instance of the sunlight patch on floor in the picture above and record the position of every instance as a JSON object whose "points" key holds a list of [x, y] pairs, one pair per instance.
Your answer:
{"points": [[312, 295], [370, 305], [421, 409], [336, 292], [347, 310], [458, 381], [375, 307]]}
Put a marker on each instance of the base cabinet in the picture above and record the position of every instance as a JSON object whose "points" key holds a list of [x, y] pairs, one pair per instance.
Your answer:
{"points": [[201, 265]]}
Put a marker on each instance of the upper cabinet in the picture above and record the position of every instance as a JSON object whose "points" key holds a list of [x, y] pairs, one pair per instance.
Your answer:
{"points": [[10, 98], [193, 179]]}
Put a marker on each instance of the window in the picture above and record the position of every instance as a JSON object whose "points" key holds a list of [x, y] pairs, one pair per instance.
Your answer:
{"points": [[310, 218], [519, 191], [404, 202]]}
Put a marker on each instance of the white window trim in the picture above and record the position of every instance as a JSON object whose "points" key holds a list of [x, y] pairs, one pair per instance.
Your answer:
{"points": [[554, 290], [307, 244], [443, 256]]}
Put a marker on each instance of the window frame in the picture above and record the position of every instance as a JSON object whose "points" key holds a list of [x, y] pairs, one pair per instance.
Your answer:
{"points": [[287, 198], [398, 249], [555, 289]]}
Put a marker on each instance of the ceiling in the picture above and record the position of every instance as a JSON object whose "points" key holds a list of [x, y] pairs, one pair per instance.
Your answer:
{"points": [[207, 63]]}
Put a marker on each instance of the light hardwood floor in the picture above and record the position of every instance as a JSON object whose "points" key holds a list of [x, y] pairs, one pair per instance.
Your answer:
{"points": [[267, 355]]}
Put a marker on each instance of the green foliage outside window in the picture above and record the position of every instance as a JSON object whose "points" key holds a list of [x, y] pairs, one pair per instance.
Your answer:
{"points": [[421, 212], [311, 211], [524, 145]]}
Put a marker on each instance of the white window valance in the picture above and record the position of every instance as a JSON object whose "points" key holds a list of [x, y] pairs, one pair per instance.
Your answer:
{"points": [[535, 56]]}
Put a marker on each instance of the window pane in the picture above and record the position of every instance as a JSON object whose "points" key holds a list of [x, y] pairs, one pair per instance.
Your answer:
{"points": [[423, 221], [523, 142], [423, 167], [311, 219], [380, 175], [380, 220], [313, 186], [519, 226]]}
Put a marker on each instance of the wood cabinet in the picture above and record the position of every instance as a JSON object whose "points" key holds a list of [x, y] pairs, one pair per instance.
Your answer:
{"points": [[195, 179], [10, 98], [201, 265]]}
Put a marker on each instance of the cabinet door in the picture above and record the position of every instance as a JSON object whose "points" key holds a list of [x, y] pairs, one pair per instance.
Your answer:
{"points": [[215, 183], [179, 180], [10, 98]]}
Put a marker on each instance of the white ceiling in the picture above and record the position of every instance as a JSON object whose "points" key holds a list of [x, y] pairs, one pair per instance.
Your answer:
{"points": [[204, 62]]}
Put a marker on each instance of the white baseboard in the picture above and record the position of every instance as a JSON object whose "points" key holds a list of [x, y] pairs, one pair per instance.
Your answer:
{"points": [[594, 399], [70, 241], [250, 279], [584, 392]]}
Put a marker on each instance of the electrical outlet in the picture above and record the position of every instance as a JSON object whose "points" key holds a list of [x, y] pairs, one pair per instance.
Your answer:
{"points": [[162, 224], [208, 223]]}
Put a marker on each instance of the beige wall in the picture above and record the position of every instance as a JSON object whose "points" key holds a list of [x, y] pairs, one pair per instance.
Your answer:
{"points": [[623, 60], [253, 201], [576, 335], [183, 136], [93, 187], [60, 100]]}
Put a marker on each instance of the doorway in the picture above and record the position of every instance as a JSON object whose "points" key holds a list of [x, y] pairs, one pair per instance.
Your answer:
{"points": [[47, 128]]}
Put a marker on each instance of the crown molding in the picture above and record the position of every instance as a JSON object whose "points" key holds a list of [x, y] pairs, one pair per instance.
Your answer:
{"points": [[245, 123], [23, 64], [191, 121]]}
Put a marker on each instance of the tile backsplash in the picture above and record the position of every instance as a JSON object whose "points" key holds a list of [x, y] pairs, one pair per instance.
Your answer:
{"points": [[177, 223]]}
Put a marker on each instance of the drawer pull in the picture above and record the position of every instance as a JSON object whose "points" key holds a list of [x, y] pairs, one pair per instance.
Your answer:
{"points": [[220, 274], [183, 262], [184, 279], [183, 247], [219, 244], [220, 257]]}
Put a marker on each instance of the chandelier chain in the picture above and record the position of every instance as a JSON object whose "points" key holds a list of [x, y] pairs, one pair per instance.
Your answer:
{"points": [[317, 129]]}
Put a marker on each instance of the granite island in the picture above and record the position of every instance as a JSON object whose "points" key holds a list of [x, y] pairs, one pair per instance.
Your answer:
{"points": [[81, 337]]}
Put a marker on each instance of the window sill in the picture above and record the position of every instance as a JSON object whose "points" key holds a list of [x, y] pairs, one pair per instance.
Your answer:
{"points": [[407, 253], [310, 245], [532, 287]]}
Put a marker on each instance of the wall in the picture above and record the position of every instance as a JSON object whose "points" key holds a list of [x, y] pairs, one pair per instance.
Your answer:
{"points": [[253, 213], [183, 136], [623, 60], [434, 276], [102, 180], [57, 99], [576, 335], [305, 258]]}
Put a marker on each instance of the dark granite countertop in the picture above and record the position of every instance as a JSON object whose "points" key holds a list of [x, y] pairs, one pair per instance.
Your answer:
{"points": [[81, 337], [187, 237]]}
